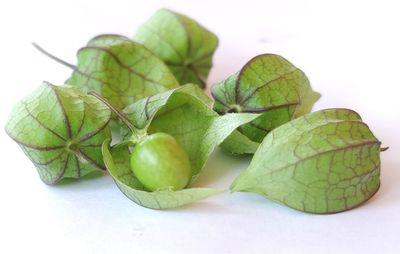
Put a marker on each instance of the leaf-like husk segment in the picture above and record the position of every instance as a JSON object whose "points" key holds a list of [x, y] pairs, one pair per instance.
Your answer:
{"points": [[324, 162]]}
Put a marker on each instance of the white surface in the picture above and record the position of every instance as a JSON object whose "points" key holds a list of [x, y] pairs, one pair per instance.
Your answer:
{"points": [[349, 50]]}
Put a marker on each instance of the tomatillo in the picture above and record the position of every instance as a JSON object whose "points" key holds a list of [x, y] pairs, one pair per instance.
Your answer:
{"points": [[158, 161]]}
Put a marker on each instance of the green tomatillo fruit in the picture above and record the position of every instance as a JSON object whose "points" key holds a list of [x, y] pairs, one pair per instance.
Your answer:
{"points": [[270, 85], [158, 161]]}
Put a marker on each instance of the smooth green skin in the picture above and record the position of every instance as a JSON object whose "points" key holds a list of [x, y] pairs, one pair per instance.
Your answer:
{"points": [[267, 84], [117, 160], [198, 130], [159, 162], [120, 70], [61, 130], [182, 43], [324, 162]]}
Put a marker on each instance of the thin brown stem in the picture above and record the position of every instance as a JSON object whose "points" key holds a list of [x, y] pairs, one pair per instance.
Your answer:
{"points": [[121, 115], [58, 60]]}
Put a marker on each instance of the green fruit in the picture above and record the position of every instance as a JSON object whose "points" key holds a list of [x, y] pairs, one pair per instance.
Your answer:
{"points": [[158, 161]]}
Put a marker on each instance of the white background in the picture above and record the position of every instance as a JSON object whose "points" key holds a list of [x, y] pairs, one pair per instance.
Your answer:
{"points": [[348, 49]]}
